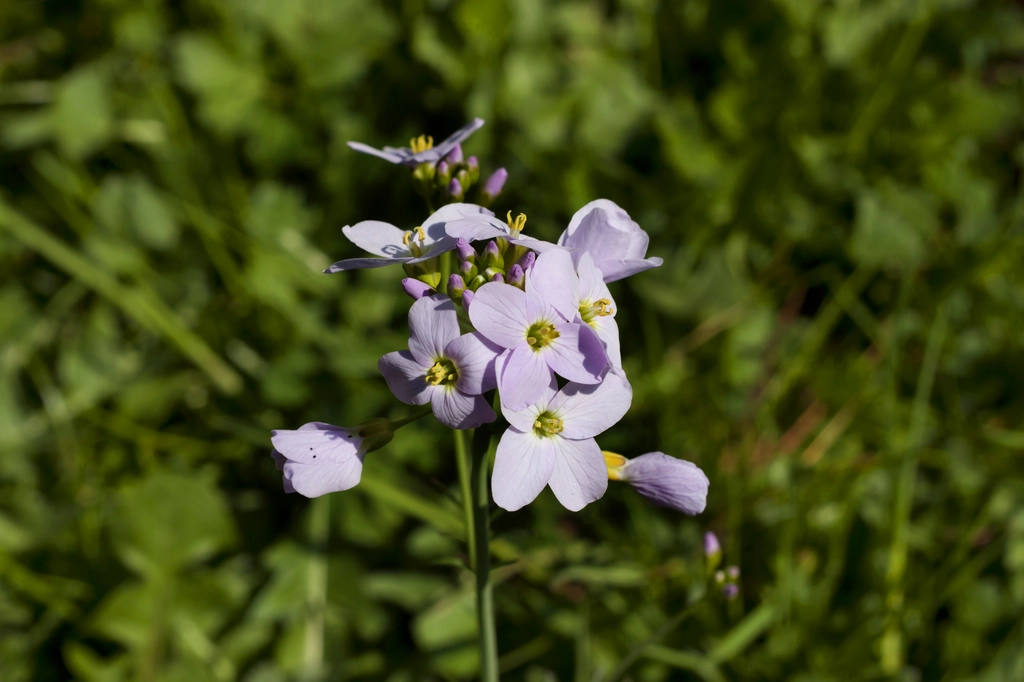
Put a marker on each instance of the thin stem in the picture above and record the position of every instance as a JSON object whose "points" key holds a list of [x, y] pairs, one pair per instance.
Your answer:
{"points": [[395, 425], [482, 567], [638, 649], [316, 586], [446, 271], [465, 464]]}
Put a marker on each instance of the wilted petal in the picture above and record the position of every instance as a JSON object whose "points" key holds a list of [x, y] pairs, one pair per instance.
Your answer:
{"points": [[523, 378], [577, 354], [499, 313], [523, 465], [406, 377], [475, 358], [586, 411], [460, 411], [580, 474], [383, 239], [668, 482], [554, 279], [433, 324]]}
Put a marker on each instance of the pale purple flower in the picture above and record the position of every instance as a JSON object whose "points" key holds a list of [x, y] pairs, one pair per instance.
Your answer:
{"points": [[494, 184], [617, 245], [422, 149], [478, 227], [711, 545], [441, 367], [395, 246], [537, 327], [319, 458], [667, 482], [417, 289], [551, 442]]}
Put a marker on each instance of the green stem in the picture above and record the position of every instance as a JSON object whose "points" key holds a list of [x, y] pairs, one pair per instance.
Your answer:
{"points": [[395, 425], [482, 567], [446, 271], [637, 651], [316, 586], [465, 464]]}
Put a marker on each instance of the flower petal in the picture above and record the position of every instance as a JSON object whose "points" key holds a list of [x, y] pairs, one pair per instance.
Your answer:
{"points": [[592, 284], [459, 136], [580, 474], [317, 442], [434, 226], [668, 482], [554, 279], [279, 461], [523, 464], [523, 418], [586, 411], [523, 378], [392, 156], [363, 264], [460, 411], [476, 228], [433, 324], [406, 377], [615, 270], [475, 358], [499, 313], [314, 480], [383, 239], [577, 354], [608, 331]]}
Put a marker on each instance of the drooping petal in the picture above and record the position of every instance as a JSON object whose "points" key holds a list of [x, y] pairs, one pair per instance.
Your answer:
{"points": [[577, 354], [586, 411], [554, 279], [317, 441], [523, 378], [475, 358], [433, 324], [615, 270], [383, 239], [499, 313], [460, 411], [580, 474], [363, 264], [406, 377], [524, 417], [668, 482], [314, 480], [523, 464], [391, 156]]}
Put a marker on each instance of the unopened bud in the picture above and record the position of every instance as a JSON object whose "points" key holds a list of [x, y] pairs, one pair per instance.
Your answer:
{"points": [[473, 166], [528, 260], [712, 551], [498, 277], [492, 255], [465, 250], [455, 189], [467, 298], [456, 285], [416, 288], [494, 184], [733, 572], [444, 174], [516, 276], [730, 591], [455, 155], [720, 577]]}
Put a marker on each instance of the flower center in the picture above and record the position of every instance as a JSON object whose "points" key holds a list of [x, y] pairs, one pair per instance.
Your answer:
{"points": [[421, 143], [442, 373], [547, 424], [515, 226], [541, 335], [602, 307], [411, 237]]}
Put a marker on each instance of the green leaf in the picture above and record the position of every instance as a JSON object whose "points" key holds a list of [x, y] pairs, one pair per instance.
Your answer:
{"points": [[81, 115]]}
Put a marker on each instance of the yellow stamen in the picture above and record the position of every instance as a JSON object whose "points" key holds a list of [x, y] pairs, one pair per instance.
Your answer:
{"points": [[541, 335], [421, 143], [615, 463], [546, 424], [602, 307], [516, 226], [442, 373]]}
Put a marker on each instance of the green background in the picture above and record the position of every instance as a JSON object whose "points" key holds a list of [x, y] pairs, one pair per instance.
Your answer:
{"points": [[836, 337]]}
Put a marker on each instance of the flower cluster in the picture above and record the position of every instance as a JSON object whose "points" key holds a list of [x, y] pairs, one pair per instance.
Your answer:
{"points": [[497, 309]]}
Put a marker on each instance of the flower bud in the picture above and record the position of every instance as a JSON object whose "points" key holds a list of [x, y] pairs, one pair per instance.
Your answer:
{"points": [[467, 298], [416, 288], [720, 577], [711, 544], [473, 166], [455, 155], [468, 270], [493, 185], [733, 572], [516, 276], [465, 250], [730, 591], [455, 189], [444, 174], [456, 285], [492, 255], [498, 277], [464, 179], [528, 260]]}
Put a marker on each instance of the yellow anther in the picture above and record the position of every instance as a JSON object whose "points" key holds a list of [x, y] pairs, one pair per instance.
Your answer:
{"points": [[615, 463], [441, 373], [407, 237], [421, 143], [422, 236], [516, 226], [541, 335], [599, 308], [546, 424]]}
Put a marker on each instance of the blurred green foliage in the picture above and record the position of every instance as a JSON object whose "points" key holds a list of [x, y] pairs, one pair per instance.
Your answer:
{"points": [[836, 337]]}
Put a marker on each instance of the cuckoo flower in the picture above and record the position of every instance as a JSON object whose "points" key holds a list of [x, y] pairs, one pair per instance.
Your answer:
{"points": [[665, 481], [616, 243], [538, 330], [395, 246], [421, 149], [480, 226], [552, 443], [441, 367], [319, 458]]}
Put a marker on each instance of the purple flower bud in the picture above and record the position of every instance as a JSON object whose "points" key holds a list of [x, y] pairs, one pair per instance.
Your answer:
{"points": [[443, 171], [467, 298], [416, 289], [730, 591], [455, 155], [456, 285], [516, 276], [528, 260], [492, 255], [474, 169], [465, 251], [733, 572], [455, 188], [711, 546], [498, 277], [468, 270], [720, 577], [494, 184], [669, 482]]}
